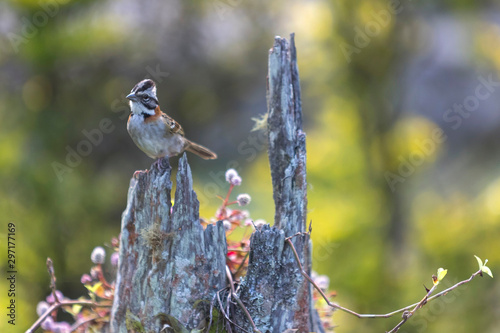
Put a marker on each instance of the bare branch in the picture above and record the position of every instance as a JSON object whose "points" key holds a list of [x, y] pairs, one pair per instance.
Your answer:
{"points": [[78, 324], [221, 306], [242, 262], [237, 299], [56, 306], [50, 268], [60, 303], [406, 314]]}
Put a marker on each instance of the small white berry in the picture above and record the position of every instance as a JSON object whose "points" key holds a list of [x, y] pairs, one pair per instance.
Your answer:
{"points": [[42, 307], [227, 225], [236, 181], [230, 174], [98, 255], [243, 199]]}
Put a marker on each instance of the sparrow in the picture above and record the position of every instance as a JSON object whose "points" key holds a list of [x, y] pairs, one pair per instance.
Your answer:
{"points": [[154, 132]]}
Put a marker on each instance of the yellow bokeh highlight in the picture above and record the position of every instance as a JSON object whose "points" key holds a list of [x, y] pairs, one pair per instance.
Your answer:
{"points": [[303, 13], [377, 18], [490, 201], [11, 149], [488, 42], [417, 137], [311, 37]]}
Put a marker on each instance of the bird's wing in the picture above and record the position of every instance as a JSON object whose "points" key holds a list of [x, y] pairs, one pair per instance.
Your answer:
{"points": [[172, 126]]}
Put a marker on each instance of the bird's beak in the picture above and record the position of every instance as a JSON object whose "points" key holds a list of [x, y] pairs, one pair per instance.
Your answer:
{"points": [[132, 97]]}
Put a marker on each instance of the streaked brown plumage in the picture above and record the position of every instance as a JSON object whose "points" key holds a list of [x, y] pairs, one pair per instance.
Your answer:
{"points": [[154, 132]]}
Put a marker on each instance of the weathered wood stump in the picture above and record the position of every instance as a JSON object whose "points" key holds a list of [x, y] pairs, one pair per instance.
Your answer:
{"points": [[170, 269], [275, 293], [168, 263]]}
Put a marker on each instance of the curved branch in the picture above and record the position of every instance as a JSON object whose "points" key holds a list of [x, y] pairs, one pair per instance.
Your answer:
{"points": [[56, 306], [416, 306]]}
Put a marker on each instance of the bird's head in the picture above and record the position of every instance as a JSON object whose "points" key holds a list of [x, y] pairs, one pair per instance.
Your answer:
{"points": [[143, 98]]}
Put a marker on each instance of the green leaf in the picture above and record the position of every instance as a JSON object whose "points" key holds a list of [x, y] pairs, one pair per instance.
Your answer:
{"points": [[94, 288], [76, 308], [487, 270], [441, 273], [482, 267], [479, 262]]}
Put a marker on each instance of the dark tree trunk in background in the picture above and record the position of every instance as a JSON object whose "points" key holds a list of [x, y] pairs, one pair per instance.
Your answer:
{"points": [[168, 263]]}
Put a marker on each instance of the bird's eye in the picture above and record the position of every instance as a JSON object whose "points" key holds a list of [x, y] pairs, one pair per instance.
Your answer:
{"points": [[146, 98]]}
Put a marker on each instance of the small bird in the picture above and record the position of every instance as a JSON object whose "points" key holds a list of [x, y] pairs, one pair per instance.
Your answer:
{"points": [[153, 131]]}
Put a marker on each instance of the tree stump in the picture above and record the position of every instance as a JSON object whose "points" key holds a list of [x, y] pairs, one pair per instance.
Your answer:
{"points": [[275, 293], [170, 269], [168, 264]]}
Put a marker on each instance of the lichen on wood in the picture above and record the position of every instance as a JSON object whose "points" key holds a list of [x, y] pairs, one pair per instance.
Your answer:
{"points": [[168, 263], [275, 293]]}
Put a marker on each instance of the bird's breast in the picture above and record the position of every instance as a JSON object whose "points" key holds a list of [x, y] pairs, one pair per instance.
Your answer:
{"points": [[153, 137]]}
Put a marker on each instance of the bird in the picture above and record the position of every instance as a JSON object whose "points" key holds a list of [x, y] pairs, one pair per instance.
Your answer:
{"points": [[154, 132]]}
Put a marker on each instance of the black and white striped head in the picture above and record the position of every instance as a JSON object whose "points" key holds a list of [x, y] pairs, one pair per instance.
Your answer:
{"points": [[143, 98]]}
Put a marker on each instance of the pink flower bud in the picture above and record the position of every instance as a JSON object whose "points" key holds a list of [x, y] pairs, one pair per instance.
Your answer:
{"points": [[114, 259], [85, 279]]}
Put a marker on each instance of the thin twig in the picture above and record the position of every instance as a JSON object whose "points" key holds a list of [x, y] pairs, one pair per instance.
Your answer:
{"points": [[101, 277], [407, 315], [242, 264], [211, 312], [224, 313], [58, 303], [230, 278], [237, 299], [50, 268], [240, 303], [77, 324], [231, 186], [386, 315], [56, 306], [300, 233]]}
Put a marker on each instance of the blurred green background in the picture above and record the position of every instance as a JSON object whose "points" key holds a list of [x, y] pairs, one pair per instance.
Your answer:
{"points": [[401, 105]]}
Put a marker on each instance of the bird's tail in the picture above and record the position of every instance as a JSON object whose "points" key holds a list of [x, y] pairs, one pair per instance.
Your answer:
{"points": [[201, 151]]}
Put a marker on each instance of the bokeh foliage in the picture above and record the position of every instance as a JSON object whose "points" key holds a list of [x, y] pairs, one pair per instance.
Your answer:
{"points": [[210, 58]]}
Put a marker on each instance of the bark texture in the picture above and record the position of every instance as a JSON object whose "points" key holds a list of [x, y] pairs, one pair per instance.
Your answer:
{"points": [[170, 269], [275, 293], [169, 266]]}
